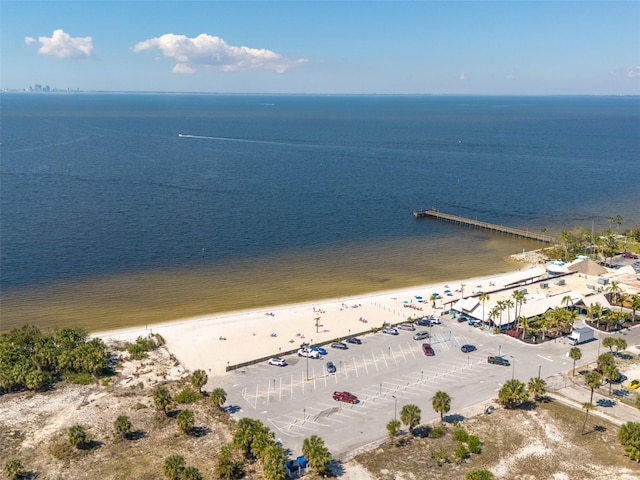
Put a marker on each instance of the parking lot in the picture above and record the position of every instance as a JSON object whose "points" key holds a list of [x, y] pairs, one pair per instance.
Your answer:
{"points": [[385, 372]]}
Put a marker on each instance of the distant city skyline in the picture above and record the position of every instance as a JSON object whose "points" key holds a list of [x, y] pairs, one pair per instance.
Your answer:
{"points": [[308, 47]]}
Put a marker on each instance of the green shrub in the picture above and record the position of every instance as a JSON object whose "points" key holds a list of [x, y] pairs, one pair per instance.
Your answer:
{"points": [[139, 349], [461, 451], [187, 395], [79, 378], [436, 432], [460, 434], [474, 444]]}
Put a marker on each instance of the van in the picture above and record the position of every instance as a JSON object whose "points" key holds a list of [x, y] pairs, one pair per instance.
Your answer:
{"points": [[406, 326]]}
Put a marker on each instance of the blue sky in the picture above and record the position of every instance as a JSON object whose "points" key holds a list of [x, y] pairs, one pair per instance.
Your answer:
{"points": [[356, 47]]}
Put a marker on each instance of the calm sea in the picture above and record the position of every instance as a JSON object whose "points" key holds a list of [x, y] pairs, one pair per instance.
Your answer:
{"points": [[122, 209]]}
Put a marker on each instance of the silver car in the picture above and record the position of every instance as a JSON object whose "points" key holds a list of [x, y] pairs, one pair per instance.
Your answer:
{"points": [[421, 335]]}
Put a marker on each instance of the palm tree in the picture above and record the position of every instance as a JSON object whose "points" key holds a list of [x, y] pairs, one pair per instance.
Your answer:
{"points": [[621, 344], [537, 387], [78, 436], [162, 399], [629, 437], [393, 427], [317, 454], [593, 381], [587, 406], [615, 290], [611, 373], [122, 426], [185, 421], [524, 324], [229, 467], [566, 301], [493, 314], [410, 416], [173, 467], [508, 304], [635, 306], [513, 393], [520, 298], [483, 297], [273, 460], [218, 397], [575, 354], [441, 403], [500, 306], [199, 379], [609, 342]]}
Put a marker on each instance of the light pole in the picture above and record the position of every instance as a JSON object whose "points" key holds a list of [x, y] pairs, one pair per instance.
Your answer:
{"points": [[513, 370], [395, 408], [539, 367]]}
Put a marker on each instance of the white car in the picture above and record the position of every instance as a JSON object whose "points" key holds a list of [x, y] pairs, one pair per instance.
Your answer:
{"points": [[305, 352], [391, 331], [278, 362]]}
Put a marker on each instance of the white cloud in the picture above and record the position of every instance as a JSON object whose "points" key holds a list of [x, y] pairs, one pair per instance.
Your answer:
{"points": [[633, 72], [461, 77], [212, 51], [62, 45]]}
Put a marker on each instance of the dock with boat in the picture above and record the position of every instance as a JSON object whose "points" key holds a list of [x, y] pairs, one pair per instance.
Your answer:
{"points": [[467, 222]]}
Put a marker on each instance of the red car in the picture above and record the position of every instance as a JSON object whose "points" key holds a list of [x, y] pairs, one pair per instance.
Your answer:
{"points": [[345, 397], [428, 351], [630, 255]]}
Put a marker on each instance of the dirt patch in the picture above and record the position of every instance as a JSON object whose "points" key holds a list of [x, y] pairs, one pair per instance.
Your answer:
{"points": [[542, 443]]}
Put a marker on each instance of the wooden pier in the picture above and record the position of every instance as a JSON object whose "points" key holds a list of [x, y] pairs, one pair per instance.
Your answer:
{"points": [[467, 222]]}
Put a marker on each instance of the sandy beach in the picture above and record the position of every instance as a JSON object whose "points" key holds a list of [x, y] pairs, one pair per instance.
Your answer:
{"points": [[213, 342]]}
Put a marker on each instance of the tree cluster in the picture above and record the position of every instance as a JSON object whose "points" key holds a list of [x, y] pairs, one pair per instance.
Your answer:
{"points": [[32, 360]]}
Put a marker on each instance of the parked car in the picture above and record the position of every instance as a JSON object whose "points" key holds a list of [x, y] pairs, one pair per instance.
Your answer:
{"points": [[339, 345], [634, 384], [428, 351], [391, 331], [320, 350], [345, 397], [428, 321], [305, 352], [630, 255], [278, 362], [498, 361], [331, 368], [354, 340], [468, 348], [421, 335], [406, 326]]}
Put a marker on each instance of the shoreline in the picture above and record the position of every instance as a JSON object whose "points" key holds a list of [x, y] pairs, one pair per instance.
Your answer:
{"points": [[217, 341]]}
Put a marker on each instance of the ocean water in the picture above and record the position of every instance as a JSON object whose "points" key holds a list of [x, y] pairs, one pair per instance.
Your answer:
{"points": [[122, 209]]}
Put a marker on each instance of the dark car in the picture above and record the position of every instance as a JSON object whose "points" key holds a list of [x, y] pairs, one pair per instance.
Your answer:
{"points": [[498, 361], [339, 345], [428, 351], [354, 340], [468, 348], [427, 321], [331, 368]]}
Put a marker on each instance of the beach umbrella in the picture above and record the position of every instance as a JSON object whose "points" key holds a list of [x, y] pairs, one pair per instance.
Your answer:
{"points": [[418, 297], [435, 294], [447, 291]]}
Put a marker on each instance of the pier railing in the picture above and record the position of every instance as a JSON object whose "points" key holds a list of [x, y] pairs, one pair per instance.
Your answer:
{"points": [[516, 232]]}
